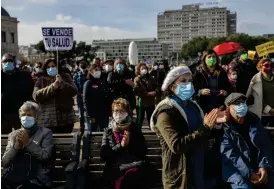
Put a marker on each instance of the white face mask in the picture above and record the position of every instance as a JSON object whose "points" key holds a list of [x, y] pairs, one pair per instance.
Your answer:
{"points": [[144, 72], [38, 70], [155, 67], [97, 74], [108, 68], [234, 77], [119, 117], [161, 66]]}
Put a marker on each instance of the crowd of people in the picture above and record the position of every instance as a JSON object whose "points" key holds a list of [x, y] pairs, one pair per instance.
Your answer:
{"points": [[209, 118]]}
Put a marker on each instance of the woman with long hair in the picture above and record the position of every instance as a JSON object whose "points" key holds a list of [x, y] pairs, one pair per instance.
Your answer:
{"points": [[54, 92], [146, 91]]}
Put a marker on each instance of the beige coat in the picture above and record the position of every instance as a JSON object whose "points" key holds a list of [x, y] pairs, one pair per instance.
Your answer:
{"points": [[255, 89]]}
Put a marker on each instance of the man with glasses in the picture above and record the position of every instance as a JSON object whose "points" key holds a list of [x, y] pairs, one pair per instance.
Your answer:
{"points": [[246, 149], [17, 87]]}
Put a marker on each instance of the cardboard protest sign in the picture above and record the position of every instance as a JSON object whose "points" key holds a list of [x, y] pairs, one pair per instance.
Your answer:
{"points": [[60, 39], [265, 48], [251, 55]]}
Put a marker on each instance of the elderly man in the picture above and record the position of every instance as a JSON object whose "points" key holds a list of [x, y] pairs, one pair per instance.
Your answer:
{"points": [[17, 87], [245, 148], [26, 160]]}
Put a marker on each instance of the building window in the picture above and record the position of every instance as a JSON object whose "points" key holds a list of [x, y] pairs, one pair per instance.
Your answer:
{"points": [[12, 37], [3, 37]]}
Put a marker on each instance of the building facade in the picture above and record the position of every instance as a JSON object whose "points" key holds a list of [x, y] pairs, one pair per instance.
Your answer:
{"points": [[9, 34], [177, 27], [148, 49]]}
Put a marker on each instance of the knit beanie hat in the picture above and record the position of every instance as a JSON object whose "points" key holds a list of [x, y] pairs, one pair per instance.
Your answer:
{"points": [[173, 75]]}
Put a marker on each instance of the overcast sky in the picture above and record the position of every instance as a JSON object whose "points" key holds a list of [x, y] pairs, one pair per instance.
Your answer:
{"points": [[108, 19]]}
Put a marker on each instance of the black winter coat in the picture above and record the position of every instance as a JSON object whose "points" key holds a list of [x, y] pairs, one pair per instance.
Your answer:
{"points": [[159, 76], [16, 89], [96, 98], [114, 154], [200, 81], [119, 89], [245, 74]]}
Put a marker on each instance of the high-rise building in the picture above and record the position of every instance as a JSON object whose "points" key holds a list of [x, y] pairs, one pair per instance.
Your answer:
{"points": [[148, 48], [177, 27]]}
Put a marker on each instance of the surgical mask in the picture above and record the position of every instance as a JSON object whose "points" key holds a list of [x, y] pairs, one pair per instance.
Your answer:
{"points": [[155, 67], [120, 67], [27, 121], [234, 77], [185, 90], [108, 68], [97, 74], [8, 66], [211, 61], [244, 57], [144, 72], [241, 109], [52, 71], [38, 70], [267, 68], [161, 66], [119, 117]]}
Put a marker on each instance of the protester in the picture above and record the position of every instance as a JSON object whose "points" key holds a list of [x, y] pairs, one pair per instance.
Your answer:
{"points": [[158, 74], [124, 150], [97, 100], [54, 92], [37, 71], [246, 70], [261, 90], [98, 62], [108, 68], [121, 83], [232, 77], [246, 149], [210, 82], [179, 123], [17, 87], [146, 90], [79, 80], [26, 160]]}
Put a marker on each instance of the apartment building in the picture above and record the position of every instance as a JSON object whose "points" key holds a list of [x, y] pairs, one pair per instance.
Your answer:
{"points": [[9, 34], [177, 27], [148, 48]]}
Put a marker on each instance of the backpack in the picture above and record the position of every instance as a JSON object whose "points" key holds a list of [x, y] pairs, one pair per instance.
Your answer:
{"points": [[23, 168]]}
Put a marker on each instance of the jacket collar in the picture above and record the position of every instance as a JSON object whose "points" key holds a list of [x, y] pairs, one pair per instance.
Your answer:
{"points": [[257, 84]]}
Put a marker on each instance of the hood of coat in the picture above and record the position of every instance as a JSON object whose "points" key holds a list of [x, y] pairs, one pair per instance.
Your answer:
{"points": [[170, 103]]}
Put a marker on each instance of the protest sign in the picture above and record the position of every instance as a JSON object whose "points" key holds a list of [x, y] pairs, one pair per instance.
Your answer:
{"points": [[148, 62], [265, 48], [58, 39], [251, 55]]}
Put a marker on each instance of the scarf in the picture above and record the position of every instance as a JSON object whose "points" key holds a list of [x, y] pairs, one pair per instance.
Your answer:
{"points": [[232, 81], [120, 127]]}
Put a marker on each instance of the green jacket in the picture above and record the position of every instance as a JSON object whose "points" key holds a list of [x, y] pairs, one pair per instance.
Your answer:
{"points": [[170, 124]]}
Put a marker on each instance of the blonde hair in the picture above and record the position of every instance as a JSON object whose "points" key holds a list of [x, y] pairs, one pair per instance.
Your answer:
{"points": [[121, 104], [261, 63]]}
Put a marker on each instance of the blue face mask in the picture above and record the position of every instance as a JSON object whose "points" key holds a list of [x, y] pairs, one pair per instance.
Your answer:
{"points": [[27, 121], [120, 67], [185, 90], [8, 66], [38, 70], [241, 109], [52, 71]]}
